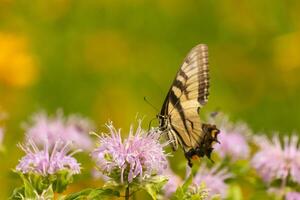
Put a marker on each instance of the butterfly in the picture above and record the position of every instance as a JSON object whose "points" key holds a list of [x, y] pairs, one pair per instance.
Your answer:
{"points": [[179, 116]]}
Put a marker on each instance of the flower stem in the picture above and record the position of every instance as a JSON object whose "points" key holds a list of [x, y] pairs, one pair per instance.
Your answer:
{"points": [[282, 187], [127, 193]]}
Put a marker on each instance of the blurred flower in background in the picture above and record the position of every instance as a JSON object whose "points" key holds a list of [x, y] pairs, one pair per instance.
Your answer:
{"points": [[137, 158], [1, 139], [174, 181], [3, 116], [44, 128], [214, 180], [18, 67], [276, 160], [178, 189], [232, 137], [292, 196], [206, 184]]}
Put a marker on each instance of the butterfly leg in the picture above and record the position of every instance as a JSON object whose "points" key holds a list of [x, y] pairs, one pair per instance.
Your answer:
{"points": [[172, 139]]}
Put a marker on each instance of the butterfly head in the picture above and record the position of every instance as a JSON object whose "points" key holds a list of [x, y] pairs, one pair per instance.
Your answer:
{"points": [[163, 121]]}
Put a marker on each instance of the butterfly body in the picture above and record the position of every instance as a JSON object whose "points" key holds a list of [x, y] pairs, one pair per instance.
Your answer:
{"points": [[179, 116]]}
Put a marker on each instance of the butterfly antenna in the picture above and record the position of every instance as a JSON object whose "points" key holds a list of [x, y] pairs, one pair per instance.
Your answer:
{"points": [[146, 100], [150, 123]]}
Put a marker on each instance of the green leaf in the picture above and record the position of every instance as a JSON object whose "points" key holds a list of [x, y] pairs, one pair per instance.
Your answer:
{"points": [[48, 194], [154, 185], [179, 194], [182, 190], [100, 193], [60, 180], [36, 181], [93, 194], [187, 183], [235, 192], [18, 193], [216, 197], [190, 191], [29, 190], [77, 195], [151, 191]]}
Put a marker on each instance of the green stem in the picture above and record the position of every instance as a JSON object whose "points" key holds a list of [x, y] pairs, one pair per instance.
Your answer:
{"points": [[134, 196], [127, 193], [282, 188]]}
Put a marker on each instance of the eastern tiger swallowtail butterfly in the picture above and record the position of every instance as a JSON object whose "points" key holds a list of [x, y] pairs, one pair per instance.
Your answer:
{"points": [[179, 116]]}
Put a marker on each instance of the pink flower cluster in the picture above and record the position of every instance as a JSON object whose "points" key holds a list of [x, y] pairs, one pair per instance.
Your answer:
{"points": [[276, 159], [45, 129], [140, 155], [47, 161], [174, 181], [1, 135], [292, 196], [233, 138], [214, 180]]}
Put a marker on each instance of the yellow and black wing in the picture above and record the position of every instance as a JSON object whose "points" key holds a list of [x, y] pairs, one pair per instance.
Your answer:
{"points": [[188, 93]]}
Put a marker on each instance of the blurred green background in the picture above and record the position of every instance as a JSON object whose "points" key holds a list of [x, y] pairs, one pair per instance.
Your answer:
{"points": [[100, 58]]}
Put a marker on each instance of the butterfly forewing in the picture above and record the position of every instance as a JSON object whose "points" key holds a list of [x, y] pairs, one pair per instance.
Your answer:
{"points": [[188, 93], [195, 68]]}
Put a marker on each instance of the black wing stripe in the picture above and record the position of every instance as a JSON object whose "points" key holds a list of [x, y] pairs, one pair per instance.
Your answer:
{"points": [[164, 109], [192, 136], [183, 74], [195, 63], [177, 83], [185, 87], [181, 86], [176, 103], [178, 134]]}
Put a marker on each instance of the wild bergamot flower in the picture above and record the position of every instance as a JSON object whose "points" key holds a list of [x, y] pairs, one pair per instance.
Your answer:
{"points": [[214, 180], [174, 181], [136, 158], [50, 129], [292, 196], [276, 159], [1, 138], [47, 161], [233, 138], [48, 169]]}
